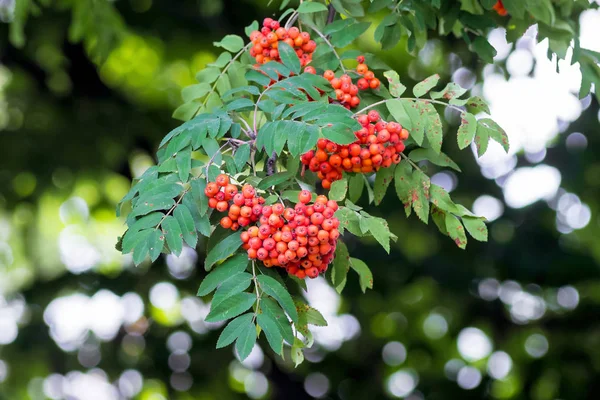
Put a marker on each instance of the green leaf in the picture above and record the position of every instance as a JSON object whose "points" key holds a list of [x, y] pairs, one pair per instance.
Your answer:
{"points": [[352, 8], [140, 251], [172, 232], [408, 114], [231, 307], [369, 189], [471, 6], [396, 88], [156, 242], [288, 56], [341, 265], [222, 250], [147, 221], [231, 286], [184, 163], [274, 289], [494, 131], [356, 185], [420, 195], [339, 133], [308, 315], [542, 10], [273, 311], [234, 329], [198, 186], [482, 139], [364, 273], [441, 199], [311, 7], [426, 85], [382, 180], [251, 28], [221, 61], [516, 8], [476, 228], [296, 353], [348, 35], [196, 91], [208, 75], [231, 266], [476, 105], [456, 231], [274, 180], [245, 342], [440, 159], [403, 181], [186, 222], [451, 91], [378, 227], [232, 43], [272, 332], [433, 126], [466, 131], [338, 190], [484, 49], [241, 156]]}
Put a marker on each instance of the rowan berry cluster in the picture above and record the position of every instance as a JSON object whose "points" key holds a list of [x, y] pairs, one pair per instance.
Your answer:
{"points": [[378, 144], [301, 239], [244, 207], [346, 91], [266, 42]]}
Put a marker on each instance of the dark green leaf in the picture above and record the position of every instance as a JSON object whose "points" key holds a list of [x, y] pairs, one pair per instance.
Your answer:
{"points": [[356, 185], [440, 159], [156, 242], [231, 266], [184, 163], [378, 227], [274, 180], [348, 35], [341, 265], [222, 250], [484, 49], [186, 222], [382, 180], [311, 7], [274, 289], [234, 329], [272, 310], [288, 56], [172, 232], [403, 182], [364, 273], [246, 341], [140, 251], [231, 307], [272, 332], [231, 286]]}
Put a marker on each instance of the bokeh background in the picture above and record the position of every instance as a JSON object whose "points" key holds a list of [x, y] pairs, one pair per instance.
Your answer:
{"points": [[82, 111]]}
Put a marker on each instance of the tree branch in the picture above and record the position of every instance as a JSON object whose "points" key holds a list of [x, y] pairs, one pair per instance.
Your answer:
{"points": [[331, 15]]}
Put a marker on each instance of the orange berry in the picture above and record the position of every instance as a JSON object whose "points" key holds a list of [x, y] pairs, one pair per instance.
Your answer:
{"points": [[212, 202], [329, 75], [251, 253], [310, 70], [211, 189], [304, 196], [362, 68], [369, 75], [374, 83], [222, 206], [336, 83]]}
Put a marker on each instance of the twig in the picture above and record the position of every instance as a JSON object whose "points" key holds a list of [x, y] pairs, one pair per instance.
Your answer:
{"points": [[271, 164], [411, 162], [331, 15]]}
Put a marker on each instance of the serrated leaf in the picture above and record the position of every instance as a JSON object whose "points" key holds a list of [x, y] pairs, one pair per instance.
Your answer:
{"points": [[271, 309], [476, 105], [223, 249], [339, 133], [212, 149], [311, 7], [231, 266], [188, 229], [483, 49], [451, 91], [433, 126], [231, 286], [288, 56], [296, 353], [221, 61], [156, 242], [234, 329], [426, 85], [274, 289], [245, 342], [396, 88], [208, 75], [441, 159], [403, 183], [241, 156], [184, 163], [338, 190], [147, 221], [349, 34], [476, 228], [384, 177], [172, 232], [420, 195], [232, 43], [341, 265], [494, 131], [198, 186], [380, 231], [456, 231], [466, 131], [274, 180], [408, 114], [364, 273], [441, 199], [196, 91], [356, 184], [272, 332], [140, 251], [515, 8], [231, 307]]}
